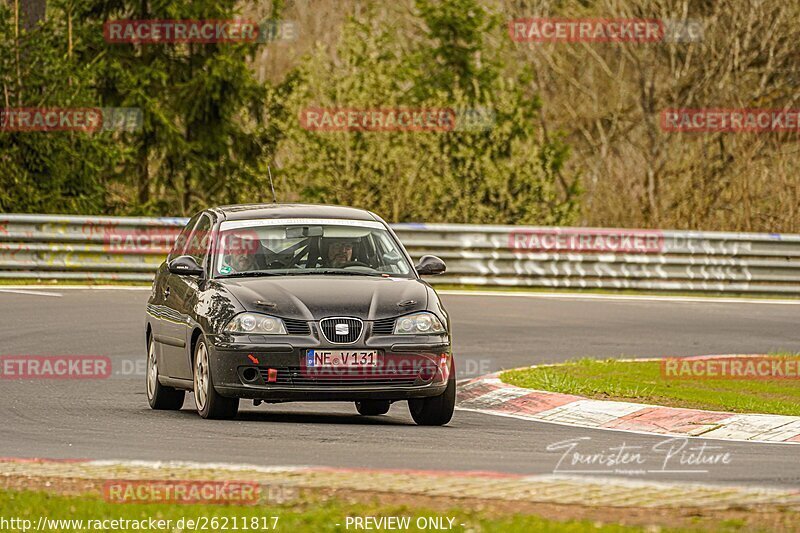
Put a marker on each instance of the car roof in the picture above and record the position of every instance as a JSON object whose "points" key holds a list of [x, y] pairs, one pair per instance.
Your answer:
{"points": [[260, 211]]}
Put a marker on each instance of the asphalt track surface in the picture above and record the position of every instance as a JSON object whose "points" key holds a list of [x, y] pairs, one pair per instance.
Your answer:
{"points": [[110, 419]]}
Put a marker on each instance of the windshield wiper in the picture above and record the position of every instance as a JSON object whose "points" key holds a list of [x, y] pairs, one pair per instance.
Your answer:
{"points": [[323, 271], [351, 273], [251, 274], [311, 272]]}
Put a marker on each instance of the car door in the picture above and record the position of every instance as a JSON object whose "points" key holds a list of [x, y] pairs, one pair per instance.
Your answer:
{"points": [[171, 330], [185, 289]]}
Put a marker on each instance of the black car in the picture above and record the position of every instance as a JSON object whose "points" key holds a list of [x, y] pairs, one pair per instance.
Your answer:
{"points": [[279, 303]]}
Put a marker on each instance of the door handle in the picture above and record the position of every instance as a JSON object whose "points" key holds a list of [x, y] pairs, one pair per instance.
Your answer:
{"points": [[166, 293]]}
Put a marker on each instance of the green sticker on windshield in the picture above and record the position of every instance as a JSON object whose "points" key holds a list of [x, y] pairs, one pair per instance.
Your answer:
{"points": [[225, 270]]}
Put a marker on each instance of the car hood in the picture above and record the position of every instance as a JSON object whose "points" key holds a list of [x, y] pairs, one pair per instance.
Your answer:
{"points": [[315, 297]]}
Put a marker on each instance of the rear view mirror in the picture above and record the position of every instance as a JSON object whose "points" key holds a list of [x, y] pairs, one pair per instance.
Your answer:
{"points": [[185, 265], [298, 232], [430, 265]]}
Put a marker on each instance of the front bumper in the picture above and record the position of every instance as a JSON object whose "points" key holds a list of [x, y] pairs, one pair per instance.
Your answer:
{"points": [[416, 367]]}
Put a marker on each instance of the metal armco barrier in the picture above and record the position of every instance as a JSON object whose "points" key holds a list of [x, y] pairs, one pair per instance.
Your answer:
{"points": [[130, 249]]}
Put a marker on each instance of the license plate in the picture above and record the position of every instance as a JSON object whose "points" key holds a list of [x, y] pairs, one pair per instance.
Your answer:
{"points": [[341, 358]]}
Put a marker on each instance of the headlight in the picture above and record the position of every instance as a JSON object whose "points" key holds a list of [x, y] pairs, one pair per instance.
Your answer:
{"points": [[418, 324], [256, 323]]}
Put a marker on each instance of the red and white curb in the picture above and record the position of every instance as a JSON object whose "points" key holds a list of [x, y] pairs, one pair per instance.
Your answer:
{"points": [[489, 395]]}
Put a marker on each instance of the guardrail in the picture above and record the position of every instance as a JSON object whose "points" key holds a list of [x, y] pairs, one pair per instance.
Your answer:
{"points": [[130, 249]]}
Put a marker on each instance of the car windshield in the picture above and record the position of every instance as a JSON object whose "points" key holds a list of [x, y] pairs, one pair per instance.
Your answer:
{"points": [[250, 248]]}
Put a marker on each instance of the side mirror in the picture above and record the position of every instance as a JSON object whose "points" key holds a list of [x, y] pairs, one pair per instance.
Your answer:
{"points": [[185, 265], [430, 265]]}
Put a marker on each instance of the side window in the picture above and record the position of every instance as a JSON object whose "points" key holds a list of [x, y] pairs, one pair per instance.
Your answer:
{"points": [[388, 255], [183, 238], [200, 241]]}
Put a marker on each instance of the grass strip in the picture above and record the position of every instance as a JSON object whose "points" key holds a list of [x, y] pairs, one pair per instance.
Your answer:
{"points": [[644, 382]]}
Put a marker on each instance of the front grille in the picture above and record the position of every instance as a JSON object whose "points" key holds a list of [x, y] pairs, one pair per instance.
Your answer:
{"points": [[297, 376], [384, 326], [341, 330], [296, 327]]}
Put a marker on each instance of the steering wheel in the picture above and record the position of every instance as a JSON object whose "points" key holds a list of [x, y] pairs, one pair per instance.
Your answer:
{"points": [[355, 263]]}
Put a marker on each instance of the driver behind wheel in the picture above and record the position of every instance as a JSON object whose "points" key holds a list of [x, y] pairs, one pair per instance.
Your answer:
{"points": [[340, 253], [240, 255]]}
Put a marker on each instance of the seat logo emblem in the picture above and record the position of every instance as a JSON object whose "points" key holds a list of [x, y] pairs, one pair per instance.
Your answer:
{"points": [[342, 329]]}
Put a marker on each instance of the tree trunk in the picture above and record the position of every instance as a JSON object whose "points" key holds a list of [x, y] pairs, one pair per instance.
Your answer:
{"points": [[143, 195]]}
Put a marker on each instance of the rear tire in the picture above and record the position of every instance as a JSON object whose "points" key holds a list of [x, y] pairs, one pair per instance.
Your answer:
{"points": [[209, 403], [158, 396], [373, 407], [436, 410]]}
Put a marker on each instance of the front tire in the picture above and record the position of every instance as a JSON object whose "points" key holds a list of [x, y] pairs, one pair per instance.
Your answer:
{"points": [[373, 407], [209, 403], [158, 396], [436, 410]]}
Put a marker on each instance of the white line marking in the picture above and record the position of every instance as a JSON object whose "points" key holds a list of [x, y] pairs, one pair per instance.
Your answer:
{"points": [[641, 483], [33, 289], [194, 465], [677, 471], [584, 472], [35, 293], [624, 297]]}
